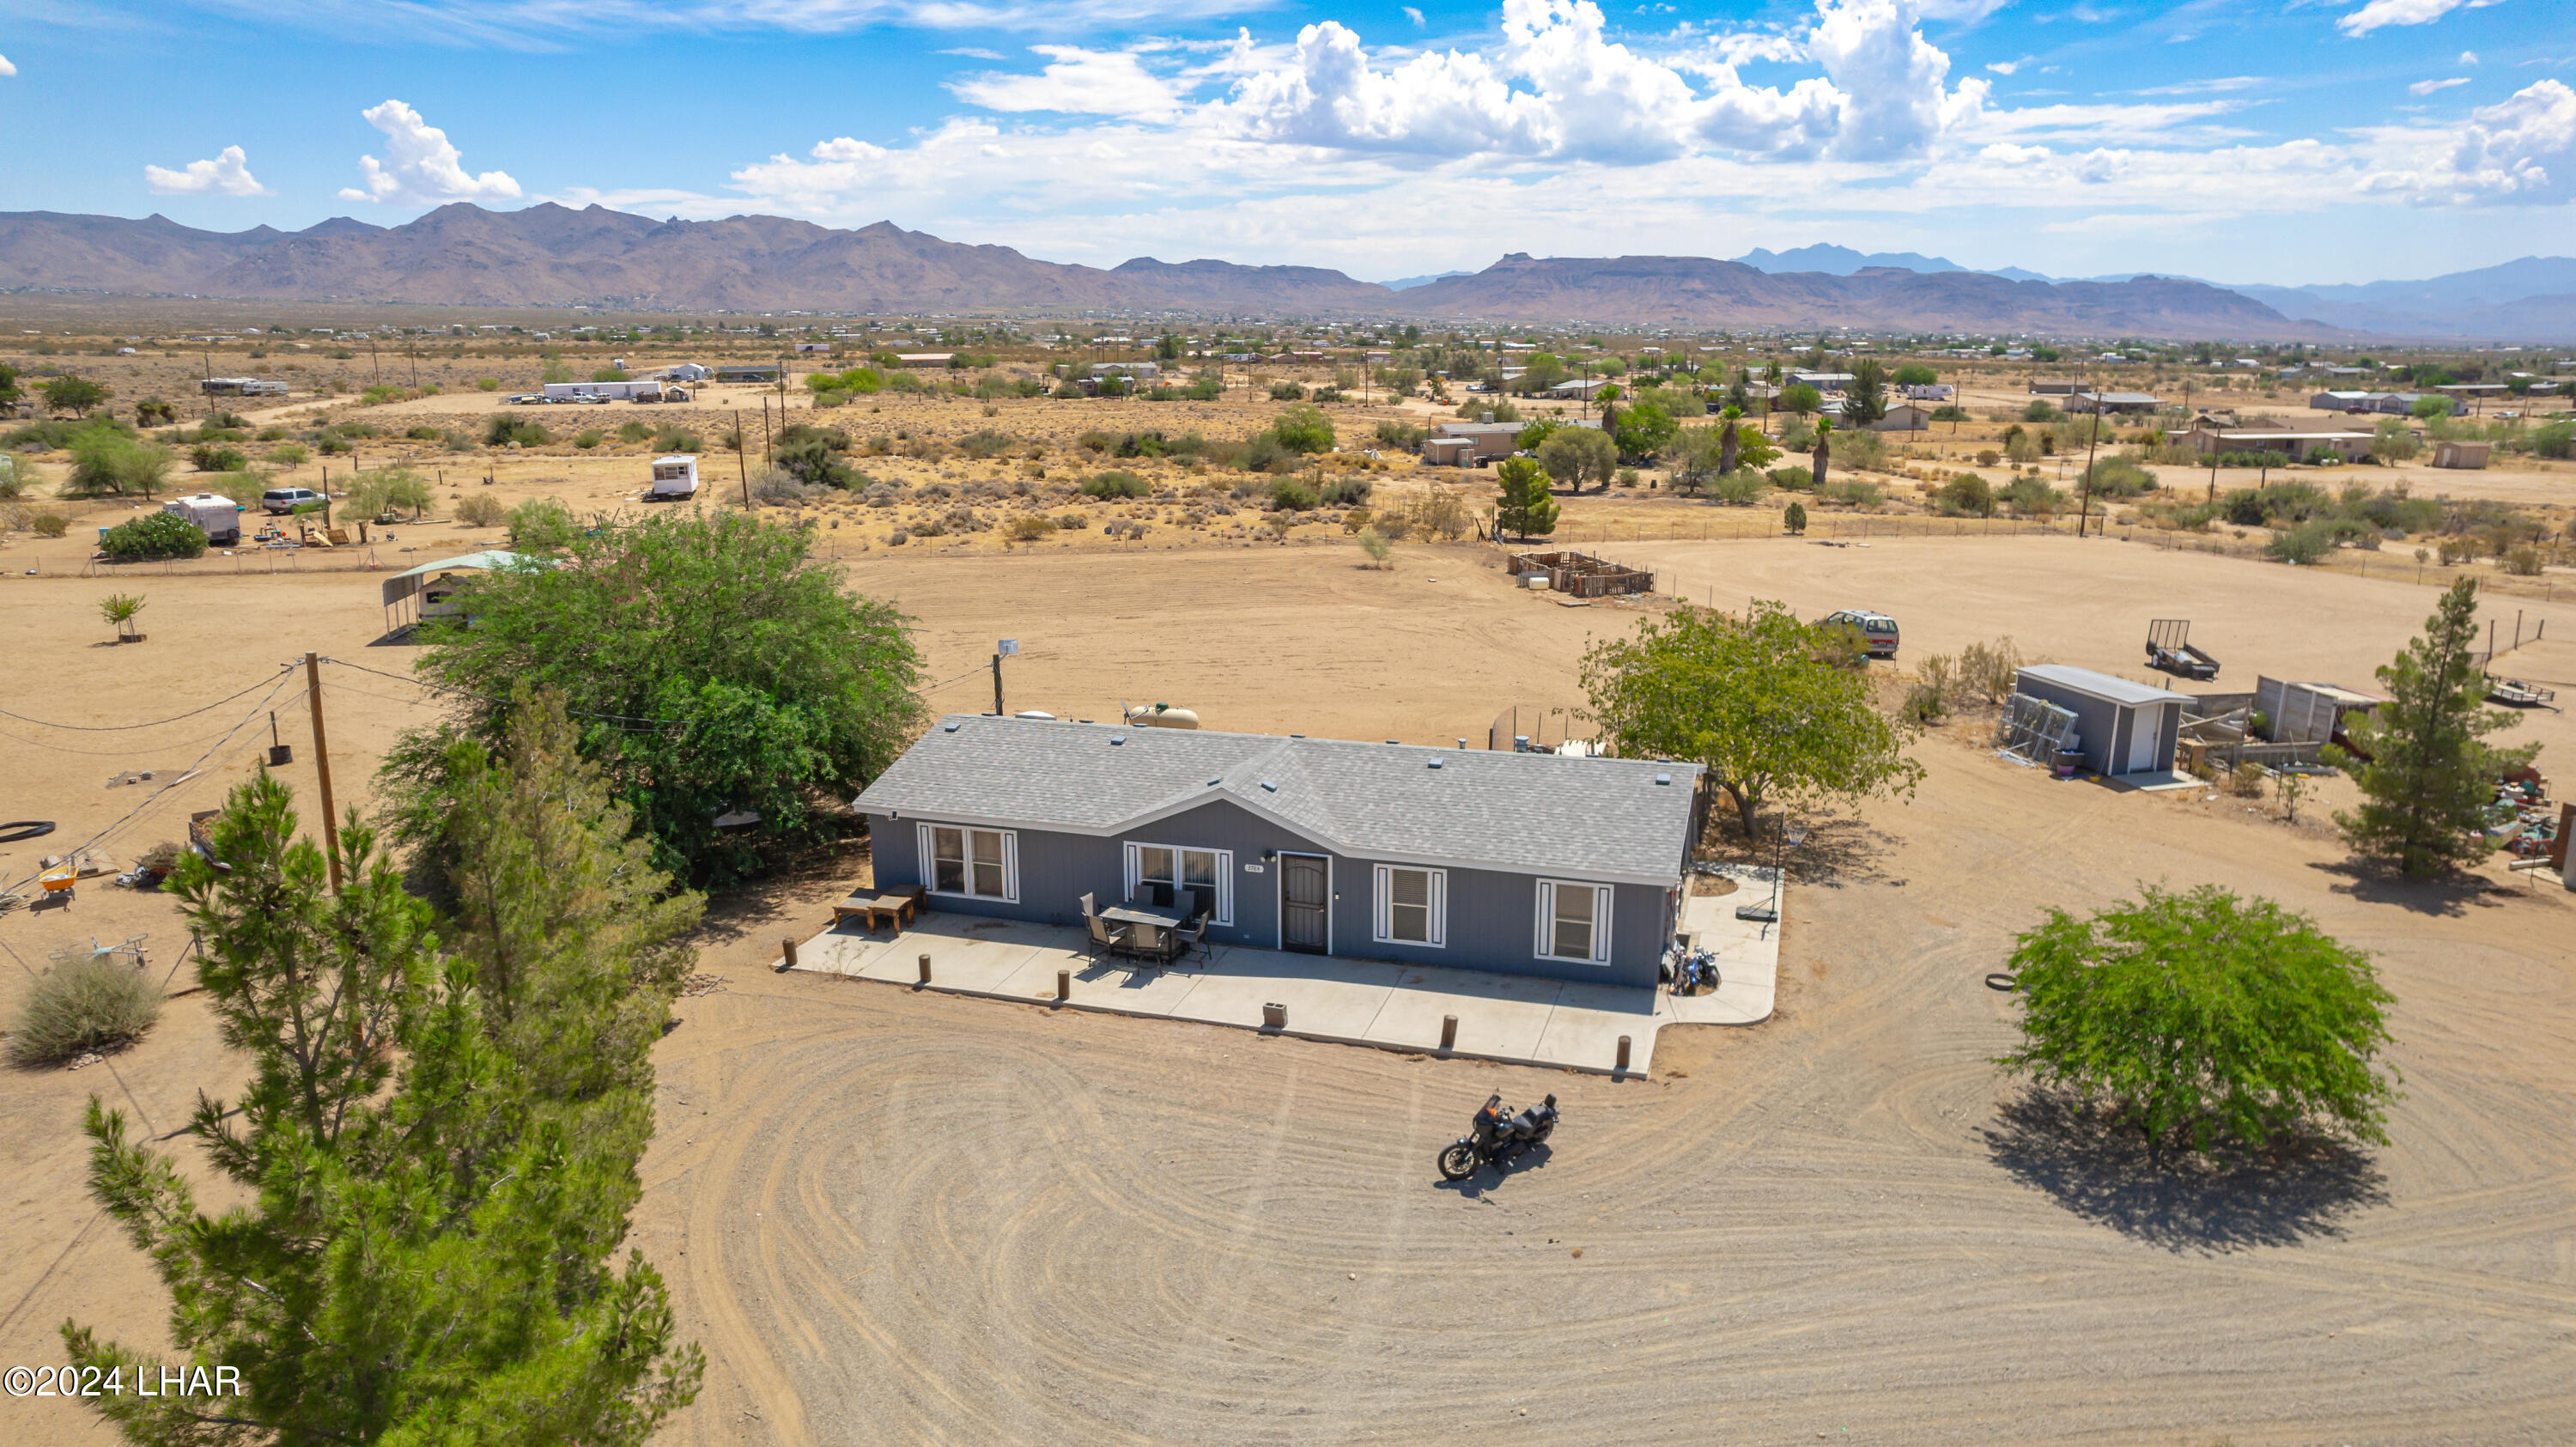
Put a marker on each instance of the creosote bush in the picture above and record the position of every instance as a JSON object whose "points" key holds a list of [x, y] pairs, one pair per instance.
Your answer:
{"points": [[85, 1002]]}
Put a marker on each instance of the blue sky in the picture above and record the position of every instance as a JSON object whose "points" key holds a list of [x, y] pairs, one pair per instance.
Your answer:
{"points": [[2318, 140]]}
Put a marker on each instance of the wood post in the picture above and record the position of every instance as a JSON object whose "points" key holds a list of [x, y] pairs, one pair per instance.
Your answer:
{"points": [[925, 969], [1623, 1053], [1063, 985], [1448, 1033], [322, 763], [788, 946]]}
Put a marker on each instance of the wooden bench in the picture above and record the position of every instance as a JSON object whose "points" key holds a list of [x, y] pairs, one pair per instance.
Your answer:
{"points": [[896, 907]]}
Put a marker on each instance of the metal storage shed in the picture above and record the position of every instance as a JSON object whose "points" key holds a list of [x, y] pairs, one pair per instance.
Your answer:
{"points": [[2122, 728]]}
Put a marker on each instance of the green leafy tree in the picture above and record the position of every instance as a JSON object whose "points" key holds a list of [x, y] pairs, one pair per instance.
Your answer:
{"points": [[108, 461], [9, 393], [436, 1153], [2202, 1017], [1303, 428], [1576, 455], [2430, 774], [77, 395], [1536, 431], [1914, 374], [1865, 399], [1793, 518], [1526, 509], [1801, 398], [717, 666], [1756, 698], [1967, 494], [2428, 408], [1645, 429], [1701, 455], [153, 535]]}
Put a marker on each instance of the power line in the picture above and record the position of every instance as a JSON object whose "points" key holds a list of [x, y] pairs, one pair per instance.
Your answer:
{"points": [[119, 728], [256, 709], [653, 724]]}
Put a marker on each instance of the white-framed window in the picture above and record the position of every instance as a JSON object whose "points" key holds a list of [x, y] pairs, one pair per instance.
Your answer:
{"points": [[1412, 906], [975, 863], [1207, 873], [1573, 921]]}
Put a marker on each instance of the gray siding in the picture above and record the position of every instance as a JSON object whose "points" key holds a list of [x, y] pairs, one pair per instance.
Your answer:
{"points": [[1491, 915]]}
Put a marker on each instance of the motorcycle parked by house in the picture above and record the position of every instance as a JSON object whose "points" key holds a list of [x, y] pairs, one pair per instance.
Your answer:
{"points": [[1496, 1135]]}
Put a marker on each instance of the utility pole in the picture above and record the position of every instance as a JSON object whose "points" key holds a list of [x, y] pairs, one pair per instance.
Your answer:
{"points": [[740, 465], [997, 687], [2084, 513], [322, 764], [375, 362], [764, 426]]}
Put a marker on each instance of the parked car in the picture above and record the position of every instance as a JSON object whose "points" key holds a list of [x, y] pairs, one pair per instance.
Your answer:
{"points": [[1877, 630], [288, 499]]}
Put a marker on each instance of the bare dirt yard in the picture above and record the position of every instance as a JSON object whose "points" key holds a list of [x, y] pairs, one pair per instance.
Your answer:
{"points": [[905, 1218]]}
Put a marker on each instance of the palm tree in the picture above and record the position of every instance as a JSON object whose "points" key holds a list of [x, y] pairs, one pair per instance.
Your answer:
{"points": [[1824, 429], [1726, 442], [120, 609]]}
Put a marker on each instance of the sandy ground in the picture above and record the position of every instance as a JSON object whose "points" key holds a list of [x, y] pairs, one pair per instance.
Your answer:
{"points": [[906, 1218]]}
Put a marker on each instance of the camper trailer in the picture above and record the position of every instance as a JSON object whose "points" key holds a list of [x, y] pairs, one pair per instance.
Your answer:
{"points": [[219, 518], [674, 477]]}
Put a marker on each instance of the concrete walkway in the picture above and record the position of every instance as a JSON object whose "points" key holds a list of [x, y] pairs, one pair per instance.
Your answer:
{"points": [[1516, 1019], [1748, 953]]}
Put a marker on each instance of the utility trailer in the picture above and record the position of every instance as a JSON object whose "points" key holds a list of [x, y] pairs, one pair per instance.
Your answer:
{"points": [[2170, 650], [2519, 694]]}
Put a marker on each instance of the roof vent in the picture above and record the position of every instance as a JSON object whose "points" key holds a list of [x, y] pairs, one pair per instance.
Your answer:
{"points": [[954, 724], [1219, 779], [1266, 784], [1663, 778], [1296, 736], [1435, 763], [1395, 741], [1118, 738]]}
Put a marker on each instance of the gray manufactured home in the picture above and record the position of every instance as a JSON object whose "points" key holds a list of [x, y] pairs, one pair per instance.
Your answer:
{"points": [[1533, 864]]}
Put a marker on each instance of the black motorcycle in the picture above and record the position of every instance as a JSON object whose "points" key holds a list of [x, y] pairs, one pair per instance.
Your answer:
{"points": [[1498, 1135]]}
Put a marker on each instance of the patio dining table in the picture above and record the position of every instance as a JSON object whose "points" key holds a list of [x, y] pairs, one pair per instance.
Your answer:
{"points": [[1158, 915]]}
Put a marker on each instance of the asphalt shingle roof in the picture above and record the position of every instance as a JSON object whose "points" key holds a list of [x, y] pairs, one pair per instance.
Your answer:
{"points": [[1535, 813]]}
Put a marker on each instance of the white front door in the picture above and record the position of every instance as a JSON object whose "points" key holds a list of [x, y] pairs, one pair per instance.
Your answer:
{"points": [[2145, 725]]}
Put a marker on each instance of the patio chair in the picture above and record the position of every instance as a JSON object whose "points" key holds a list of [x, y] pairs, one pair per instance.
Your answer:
{"points": [[1111, 938], [1190, 936], [1150, 943]]}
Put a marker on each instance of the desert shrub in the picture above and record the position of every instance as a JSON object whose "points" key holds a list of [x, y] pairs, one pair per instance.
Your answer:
{"points": [[985, 443], [1376, 547], [50, 525], [1988, 457], [386, 489], [1124, 528], [290, 454], [1967, 494], [487, 384], [1303, 429], [2558, 439], [213, 457], [107, 462], [963, 519], [1852, 493], [1028, 527], [1287, 391], [2029, 495], [1793, 479], [85, 1002], [1344, 491], [541, 525], [812, 461], [634, 431], [2306, 542], [505, 429], [2120, 476], [2040, 410], [481, 510], [1116, 484], [1794, 517], [675, 439], [587, 438], [153, 535], [1265, 453], [777, 485], [13, 482], [1400, 434], [1989, 670], [423, 433], [881, 494], [2525, 561], [1927, 699], [1289, 494]]}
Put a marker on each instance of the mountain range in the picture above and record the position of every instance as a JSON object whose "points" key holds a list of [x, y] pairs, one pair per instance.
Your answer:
{"points": [[550, 255]]}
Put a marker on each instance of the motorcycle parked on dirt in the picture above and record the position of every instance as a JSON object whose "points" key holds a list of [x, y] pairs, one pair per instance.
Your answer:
{"points": [[1496, 1136]]}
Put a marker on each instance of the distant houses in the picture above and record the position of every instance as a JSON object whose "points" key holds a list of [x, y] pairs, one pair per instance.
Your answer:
{"points": [[2395, 404]]}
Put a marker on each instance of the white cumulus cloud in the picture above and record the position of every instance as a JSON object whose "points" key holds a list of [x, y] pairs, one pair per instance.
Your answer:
{"points": [[1076, 82], [2380, 14], [425, 168], [228, 174], [2427, 87], [6, 69], [2520, 151]]}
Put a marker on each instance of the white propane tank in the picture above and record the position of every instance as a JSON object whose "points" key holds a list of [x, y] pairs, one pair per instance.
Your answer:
{"points": [[1162, 716]]}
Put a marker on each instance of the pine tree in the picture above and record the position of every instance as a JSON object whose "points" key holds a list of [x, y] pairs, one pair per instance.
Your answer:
{"points": [[1527, 508], [2429, 777], [430, 1261]]}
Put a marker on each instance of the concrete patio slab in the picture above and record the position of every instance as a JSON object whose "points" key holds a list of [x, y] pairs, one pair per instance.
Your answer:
{"points": [[1519, 1019], [1748, 955]]}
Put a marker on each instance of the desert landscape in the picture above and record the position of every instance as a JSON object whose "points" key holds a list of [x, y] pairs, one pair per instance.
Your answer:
{"points": [[891, 1216]]}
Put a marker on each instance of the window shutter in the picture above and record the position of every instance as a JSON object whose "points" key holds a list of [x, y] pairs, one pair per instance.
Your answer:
{"points": [[929, 864], [1382, 907], [1011, 865], [1601, 925], [1440, 907], [1135, 872], [1546, 916], [1225, 887]]}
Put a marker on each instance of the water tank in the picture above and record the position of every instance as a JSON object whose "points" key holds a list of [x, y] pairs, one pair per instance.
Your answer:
{"points": [[1162, 716]]}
